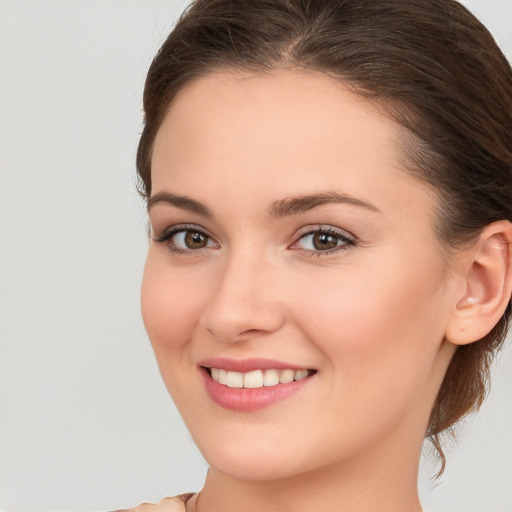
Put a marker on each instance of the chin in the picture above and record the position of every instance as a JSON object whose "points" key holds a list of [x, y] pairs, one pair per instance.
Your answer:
{"points": [[260, 461], [263, 469]]}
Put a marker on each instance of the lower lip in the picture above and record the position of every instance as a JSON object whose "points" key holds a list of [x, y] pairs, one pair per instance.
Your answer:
{"points": [[244, 399]]}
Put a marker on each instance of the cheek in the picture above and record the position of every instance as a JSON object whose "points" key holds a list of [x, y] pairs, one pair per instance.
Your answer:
{"points": [[379, 330], [381, 315], [170, 302]]}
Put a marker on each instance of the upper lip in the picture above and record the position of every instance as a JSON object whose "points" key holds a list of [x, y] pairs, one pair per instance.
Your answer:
{"points": [[249, 365]]}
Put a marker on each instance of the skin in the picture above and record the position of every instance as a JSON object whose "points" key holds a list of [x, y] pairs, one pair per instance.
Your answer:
{"points": [[371, 318]]}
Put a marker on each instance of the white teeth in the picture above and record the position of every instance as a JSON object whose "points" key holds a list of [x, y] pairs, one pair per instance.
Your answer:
{"points": [[286, 376], [253, 379], [235, 380], [301, 374], [223, 377], [271, 378], [257, 378]]}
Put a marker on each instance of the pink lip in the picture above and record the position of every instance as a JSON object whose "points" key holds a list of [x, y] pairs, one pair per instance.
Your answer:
{"points": [[241, 399], [248, 365]]}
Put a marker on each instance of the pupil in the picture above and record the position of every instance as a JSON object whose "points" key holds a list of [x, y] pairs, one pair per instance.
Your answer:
{"points": [[324, 241], [195, 240]]}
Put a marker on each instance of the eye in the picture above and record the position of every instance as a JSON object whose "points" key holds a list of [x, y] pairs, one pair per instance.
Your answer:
{"points": [[186, 239], [323, 240]]}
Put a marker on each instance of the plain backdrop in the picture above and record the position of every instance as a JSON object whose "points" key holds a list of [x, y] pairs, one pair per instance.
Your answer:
{"points": [[85, 421]]}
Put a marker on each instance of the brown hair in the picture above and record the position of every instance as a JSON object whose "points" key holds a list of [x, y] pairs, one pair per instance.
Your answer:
{"points": [[431, 65]]}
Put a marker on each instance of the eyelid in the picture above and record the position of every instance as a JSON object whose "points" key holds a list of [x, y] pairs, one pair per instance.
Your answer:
{"points": [[175, 228], [314, 228], [166, 235], [348, 238]]}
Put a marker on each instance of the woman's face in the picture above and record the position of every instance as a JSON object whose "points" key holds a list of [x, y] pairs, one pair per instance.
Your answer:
{"points": [[288, 243]]}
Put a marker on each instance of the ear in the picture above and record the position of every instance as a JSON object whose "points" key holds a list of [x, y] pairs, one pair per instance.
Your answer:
{"points": [[486, 284]]}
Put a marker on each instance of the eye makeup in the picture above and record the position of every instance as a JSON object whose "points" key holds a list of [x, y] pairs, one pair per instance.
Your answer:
{"points": [[321, 240]]}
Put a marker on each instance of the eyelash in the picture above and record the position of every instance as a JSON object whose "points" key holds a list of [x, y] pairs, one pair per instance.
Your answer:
{"points": [[346, 239], [166, 237]]}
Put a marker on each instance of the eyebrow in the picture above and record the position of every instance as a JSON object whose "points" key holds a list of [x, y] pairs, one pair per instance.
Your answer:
{"points": [[300, 204], [278, 209], [182, 202]]}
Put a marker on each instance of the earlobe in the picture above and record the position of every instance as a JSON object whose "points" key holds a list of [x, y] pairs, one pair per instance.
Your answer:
{"points": [[487, 285]]}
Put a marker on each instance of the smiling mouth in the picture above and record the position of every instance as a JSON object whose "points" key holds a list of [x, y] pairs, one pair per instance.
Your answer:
{"points": [[257, 378]]}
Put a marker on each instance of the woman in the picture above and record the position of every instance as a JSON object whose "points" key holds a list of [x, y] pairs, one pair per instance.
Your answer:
{"points": [[329, 274]]}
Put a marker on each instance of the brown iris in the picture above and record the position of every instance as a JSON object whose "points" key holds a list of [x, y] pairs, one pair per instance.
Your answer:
{"points": [[323, 241], [195, 240]]}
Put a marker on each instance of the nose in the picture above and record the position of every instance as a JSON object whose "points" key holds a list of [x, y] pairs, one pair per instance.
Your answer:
{"points": [[245, 301]]}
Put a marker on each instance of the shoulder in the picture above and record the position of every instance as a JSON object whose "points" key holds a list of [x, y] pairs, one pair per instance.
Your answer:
{"points": [[175, 504]]}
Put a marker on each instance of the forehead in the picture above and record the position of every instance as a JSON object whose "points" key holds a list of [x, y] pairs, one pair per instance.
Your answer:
{"points": [[281, 106], [279, 134]]}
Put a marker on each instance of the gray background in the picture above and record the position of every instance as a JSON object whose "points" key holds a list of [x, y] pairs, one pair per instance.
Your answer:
{"points": [[85, 422]]}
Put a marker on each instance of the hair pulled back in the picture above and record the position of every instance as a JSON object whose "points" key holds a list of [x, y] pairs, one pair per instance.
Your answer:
{"points": [[432, 66]]}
